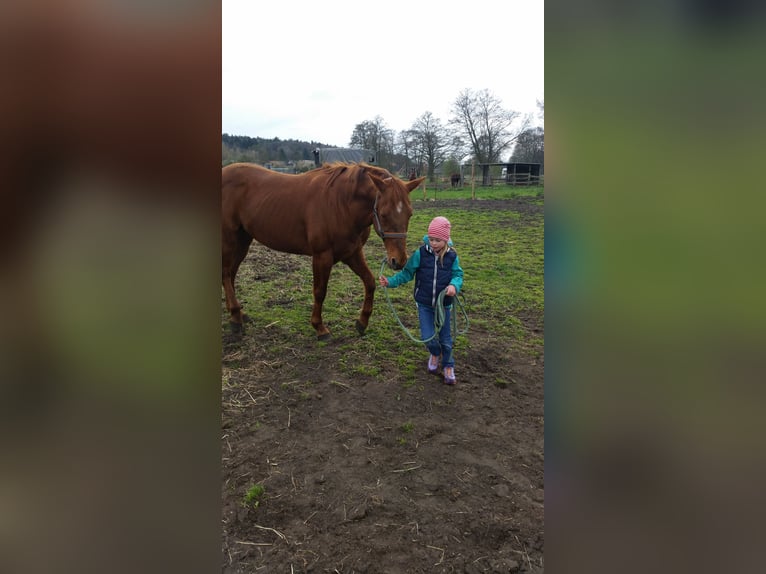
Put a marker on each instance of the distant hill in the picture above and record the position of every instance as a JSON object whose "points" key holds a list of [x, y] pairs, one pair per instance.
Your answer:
{"points": [[261, 150]]}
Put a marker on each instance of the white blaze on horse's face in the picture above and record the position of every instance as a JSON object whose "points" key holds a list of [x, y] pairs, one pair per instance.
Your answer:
{"points": [[399, 207]]}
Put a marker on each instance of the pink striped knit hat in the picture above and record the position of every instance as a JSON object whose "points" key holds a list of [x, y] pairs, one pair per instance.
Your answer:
{"points": [[439, 228]]}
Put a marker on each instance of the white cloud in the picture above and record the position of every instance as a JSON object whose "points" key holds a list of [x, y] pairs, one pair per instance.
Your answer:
{"points": [[314, 70]]}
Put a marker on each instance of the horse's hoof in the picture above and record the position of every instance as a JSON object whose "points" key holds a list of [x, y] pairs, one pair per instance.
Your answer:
{"points": [[360, 328], [324, 336], [236, 328]]}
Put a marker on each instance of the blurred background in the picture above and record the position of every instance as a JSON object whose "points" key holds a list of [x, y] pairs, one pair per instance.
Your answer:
{"points": [[654, 280], [109, 286]]}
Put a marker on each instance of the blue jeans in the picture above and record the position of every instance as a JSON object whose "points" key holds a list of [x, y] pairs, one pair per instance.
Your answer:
{"points": [[441, 345]]}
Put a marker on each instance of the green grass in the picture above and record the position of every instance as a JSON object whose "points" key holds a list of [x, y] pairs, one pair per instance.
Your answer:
{"points": [[253, 495], [502, 258], [490, 192], [501, 252]]}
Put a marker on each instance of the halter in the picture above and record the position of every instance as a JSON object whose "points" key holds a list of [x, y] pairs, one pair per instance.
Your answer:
{"points": [[379, 228]]}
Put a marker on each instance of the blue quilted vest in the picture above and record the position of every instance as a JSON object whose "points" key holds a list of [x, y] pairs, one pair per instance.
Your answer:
{"points": [[426, 288]]}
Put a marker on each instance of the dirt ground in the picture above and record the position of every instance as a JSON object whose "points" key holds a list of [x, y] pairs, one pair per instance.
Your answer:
{"points": [[349, 487]]}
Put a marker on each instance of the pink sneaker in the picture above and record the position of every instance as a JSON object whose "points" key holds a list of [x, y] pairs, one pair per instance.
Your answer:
{"points": [[433, 364], [449, 376]]}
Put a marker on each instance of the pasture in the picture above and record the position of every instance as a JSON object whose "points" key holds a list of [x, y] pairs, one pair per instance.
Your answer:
{"points": [[359, 460]]}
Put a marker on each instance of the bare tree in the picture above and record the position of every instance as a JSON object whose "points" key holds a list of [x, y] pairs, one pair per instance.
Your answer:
{"points": [[489, 129], [431, 141], [364, 136], [408, 148], [374, 135], [530, 146]]}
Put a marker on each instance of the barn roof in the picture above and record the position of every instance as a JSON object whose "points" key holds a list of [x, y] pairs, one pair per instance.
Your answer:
{"points": [[346, 155]]}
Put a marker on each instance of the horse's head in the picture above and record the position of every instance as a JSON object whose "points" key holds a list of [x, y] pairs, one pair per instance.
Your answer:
{"points": [[391, 213]]}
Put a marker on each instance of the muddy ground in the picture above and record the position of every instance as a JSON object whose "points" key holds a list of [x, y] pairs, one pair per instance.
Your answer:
{"points": [[362, 474]]}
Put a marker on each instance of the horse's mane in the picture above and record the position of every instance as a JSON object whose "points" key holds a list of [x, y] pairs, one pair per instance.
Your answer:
{"points": [[334, 169], [340, 165]]}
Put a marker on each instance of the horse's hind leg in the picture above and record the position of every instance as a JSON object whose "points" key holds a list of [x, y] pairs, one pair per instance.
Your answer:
{"points": [[358, 264], [234, 249]]}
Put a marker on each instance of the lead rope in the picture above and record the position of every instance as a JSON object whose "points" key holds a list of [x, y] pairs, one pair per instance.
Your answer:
{"points": [[439, 313]]}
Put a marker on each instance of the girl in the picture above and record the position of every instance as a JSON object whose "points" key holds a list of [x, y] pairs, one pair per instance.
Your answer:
{"points": [[435, 267]]}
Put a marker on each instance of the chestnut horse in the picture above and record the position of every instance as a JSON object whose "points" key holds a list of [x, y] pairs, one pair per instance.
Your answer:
{"points": [[325, 213]]}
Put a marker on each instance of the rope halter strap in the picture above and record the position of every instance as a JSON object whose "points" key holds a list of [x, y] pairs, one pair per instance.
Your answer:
{"points": [[379, 228]]}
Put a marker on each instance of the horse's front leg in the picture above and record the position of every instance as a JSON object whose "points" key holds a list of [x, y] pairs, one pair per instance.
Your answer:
{"points": [[322, 265], [358, 265]]}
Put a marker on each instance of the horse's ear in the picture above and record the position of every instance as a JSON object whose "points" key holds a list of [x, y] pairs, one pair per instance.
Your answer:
{"points": [[415, 183], [379, 182]]}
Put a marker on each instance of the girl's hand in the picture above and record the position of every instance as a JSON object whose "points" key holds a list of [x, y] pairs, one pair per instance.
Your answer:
{"points": [[450, 292], [383, 281]]}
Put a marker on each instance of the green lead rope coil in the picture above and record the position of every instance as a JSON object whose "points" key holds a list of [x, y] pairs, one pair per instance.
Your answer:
{"points": [[439, 313]]}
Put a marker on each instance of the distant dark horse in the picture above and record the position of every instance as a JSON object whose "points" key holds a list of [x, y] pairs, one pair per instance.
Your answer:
{"points": [[455, 179], [326, 213]]}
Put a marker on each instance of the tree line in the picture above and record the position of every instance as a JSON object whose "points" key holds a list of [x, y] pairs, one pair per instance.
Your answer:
{"points": [[478, 130], [262, 150]]}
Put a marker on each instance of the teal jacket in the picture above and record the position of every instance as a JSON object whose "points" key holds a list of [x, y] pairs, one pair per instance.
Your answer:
{"points": [[430, 278]]}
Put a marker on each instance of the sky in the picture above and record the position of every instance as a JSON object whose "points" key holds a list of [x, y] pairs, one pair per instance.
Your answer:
{"points": [[312, 71]]}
